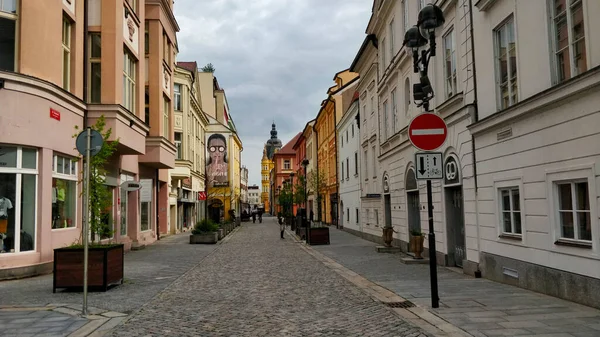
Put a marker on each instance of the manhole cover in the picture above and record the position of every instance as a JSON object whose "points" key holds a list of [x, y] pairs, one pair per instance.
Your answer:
{"points": [[405, 304]]}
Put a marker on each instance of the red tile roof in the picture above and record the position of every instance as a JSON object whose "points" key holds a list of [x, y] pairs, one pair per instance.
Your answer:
{"points": [[289, 147], [191, 66]]}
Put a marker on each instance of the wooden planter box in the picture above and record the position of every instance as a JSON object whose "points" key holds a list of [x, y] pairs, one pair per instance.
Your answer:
{"points": [[209, 238], [319, 236], [105, 267]]}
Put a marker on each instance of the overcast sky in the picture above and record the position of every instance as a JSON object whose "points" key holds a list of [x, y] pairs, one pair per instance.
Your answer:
{"points": [[274, 58]]}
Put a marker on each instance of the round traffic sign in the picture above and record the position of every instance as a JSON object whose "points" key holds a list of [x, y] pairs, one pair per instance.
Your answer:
{"points": [[427, 131], [96, 142]]}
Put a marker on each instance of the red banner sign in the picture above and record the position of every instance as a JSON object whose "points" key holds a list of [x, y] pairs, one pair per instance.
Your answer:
{"points": [[54, 114], [202, 195]]}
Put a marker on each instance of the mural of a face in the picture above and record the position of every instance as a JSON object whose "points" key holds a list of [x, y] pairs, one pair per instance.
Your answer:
{"points": [[217, 149]]}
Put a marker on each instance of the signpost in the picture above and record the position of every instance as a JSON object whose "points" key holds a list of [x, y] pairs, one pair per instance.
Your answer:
{"points": [[428, 132], [89, 143], [202, 195]]}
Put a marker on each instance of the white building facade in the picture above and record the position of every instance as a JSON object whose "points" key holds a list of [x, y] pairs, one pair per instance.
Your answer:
{"points": [[348, 142], [536, 141], [391, 193]]}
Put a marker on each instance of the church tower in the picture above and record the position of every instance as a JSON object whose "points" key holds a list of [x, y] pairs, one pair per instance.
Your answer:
{"points": [[271, 147]]}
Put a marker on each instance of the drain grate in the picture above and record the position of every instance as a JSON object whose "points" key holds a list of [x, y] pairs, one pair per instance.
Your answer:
{"points": [[405, 304]]}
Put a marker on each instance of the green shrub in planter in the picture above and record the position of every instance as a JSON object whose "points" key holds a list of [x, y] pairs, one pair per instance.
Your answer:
{"points": [[205, 226]]}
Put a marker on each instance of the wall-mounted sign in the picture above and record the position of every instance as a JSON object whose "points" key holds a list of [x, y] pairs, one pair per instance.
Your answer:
{"points": [[146, 190], [451, 171], [386, 183], [54, 114], [131, 186]]}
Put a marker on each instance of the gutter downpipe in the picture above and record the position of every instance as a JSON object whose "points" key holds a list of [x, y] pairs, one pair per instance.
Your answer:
{"points": [[85, 58], [475, 119], [317, 197]]}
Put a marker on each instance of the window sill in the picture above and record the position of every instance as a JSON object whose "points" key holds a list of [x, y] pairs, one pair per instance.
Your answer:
{"points": [[574, 243], [63, 228], [510, 236]]}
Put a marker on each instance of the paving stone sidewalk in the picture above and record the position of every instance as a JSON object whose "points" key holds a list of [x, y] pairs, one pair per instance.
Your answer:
{"points": [[29, 304], [257, 284], [479, 306]]}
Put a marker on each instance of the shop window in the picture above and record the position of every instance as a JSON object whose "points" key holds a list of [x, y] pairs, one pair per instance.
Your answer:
{"points": [[18, 199], [64, 192]]}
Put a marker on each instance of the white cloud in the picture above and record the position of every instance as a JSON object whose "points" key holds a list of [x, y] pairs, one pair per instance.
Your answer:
{"points": [[274, 58]]}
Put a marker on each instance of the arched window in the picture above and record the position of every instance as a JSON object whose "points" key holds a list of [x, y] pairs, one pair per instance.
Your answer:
{"points": [[406, 95]]}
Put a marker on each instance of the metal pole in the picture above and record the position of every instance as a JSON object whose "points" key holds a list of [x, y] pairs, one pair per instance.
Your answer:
{"points": [[306, 209], [86, 214], [432, 255]]}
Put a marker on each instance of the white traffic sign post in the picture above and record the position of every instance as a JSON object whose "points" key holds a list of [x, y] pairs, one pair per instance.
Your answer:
{"points": [[89, 142], [428, 132], [429, 165]]}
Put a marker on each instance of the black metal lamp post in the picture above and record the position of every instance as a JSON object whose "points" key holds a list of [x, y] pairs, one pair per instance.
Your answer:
{"points": [[278, 202], [305, 164], [292, 189], [430, 18]]}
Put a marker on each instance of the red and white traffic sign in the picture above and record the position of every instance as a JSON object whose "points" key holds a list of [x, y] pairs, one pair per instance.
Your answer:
{"points": [[202, 195], [427, 131]]}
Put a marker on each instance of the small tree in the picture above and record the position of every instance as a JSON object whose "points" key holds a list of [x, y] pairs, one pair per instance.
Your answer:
{"points": [[209, 68], [299, 190], [101, 198], [316, 180]]}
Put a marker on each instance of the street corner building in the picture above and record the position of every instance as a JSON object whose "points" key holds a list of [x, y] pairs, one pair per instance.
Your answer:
{"points": [[52, 88]]}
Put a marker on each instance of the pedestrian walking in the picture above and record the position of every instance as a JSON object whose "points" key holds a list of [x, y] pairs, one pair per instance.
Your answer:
{"points": [[281, 225]]}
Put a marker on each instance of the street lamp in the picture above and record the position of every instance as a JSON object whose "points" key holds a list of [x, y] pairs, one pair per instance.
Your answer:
{"points": [[306, 222], [292, 189], [430, 18]]}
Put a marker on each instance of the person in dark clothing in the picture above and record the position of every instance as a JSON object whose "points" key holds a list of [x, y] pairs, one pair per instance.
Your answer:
{"points": [[281, 225]]}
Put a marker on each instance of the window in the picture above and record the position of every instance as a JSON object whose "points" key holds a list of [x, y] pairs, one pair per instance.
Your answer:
{"points": [[347, 168], [372, 105], [145, 204], [405, 14], [95, 68], [376, 216], [177, 96], [392, 47], [66, 46], [367, 216], [133, 4], [147, 105], [574, 210], [394, 110], [385, 121], [18, 199], [178, 145], [348, 214], [373, 162], [506, 64], [421, 4], [355, 163], [569, 38], [146, 38], [64, 192], [511, 210], [165, 118], [406, 96], [352, 129], [286, 164], [8, 6], [356, 214], [366, 155], [384, 51], [124, 202], [342, 171], [346, 136], [342, 141], [129, 81], [450, 63], [166, 49], [8, 22]]}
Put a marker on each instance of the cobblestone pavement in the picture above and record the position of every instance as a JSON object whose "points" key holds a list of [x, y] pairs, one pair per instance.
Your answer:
{"points": [[478, 306], [257, 284], [30, 322]]}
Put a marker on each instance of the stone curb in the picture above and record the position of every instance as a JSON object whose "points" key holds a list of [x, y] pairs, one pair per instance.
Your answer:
{"points": [[417, 315]]}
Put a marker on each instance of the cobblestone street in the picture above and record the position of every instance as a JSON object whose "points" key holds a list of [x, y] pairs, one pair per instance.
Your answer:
{"points": [[257, 284]]}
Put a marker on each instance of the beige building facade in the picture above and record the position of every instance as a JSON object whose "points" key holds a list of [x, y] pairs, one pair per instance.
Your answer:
{"points": [[63, 65], [188, 178]]}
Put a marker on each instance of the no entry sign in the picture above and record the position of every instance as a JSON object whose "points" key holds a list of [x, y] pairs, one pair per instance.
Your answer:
{"points": [[427, 131]]}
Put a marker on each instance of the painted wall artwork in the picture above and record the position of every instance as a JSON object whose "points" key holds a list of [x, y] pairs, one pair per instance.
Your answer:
{"points": [[217, 166]]}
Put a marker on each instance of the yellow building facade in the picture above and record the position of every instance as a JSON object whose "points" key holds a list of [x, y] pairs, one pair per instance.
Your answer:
{"points": [[266, 166]]}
